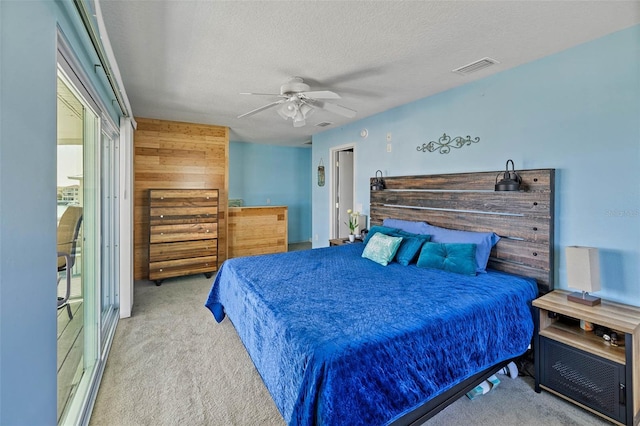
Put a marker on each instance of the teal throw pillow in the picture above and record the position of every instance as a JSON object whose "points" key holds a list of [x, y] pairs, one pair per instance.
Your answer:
{"points": [[484, 241], [453, 257], [381, 248], [383, 229], [409, 247]]}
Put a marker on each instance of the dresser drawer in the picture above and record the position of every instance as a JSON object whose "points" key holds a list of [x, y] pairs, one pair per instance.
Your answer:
{"points": [[184, 249], [179, 267], [182, 232], [183, 197], [177, 215]]}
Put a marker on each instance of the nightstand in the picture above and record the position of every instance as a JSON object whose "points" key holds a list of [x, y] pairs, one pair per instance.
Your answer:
{"points": [[341, 241], [583, 368]]}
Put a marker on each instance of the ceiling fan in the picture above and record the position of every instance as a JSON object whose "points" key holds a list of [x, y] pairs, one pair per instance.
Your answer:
{"points": [[298, 102]]}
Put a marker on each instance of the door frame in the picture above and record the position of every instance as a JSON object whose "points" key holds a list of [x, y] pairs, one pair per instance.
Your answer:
{"points": [[333, 156]]}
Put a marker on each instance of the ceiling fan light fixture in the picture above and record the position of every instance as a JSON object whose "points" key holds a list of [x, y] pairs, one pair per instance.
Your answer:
{"points": [[295, 110], [306, 110], [281, 113], [288, 109]]}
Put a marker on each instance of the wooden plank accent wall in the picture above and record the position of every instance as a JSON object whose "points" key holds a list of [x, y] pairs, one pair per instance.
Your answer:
{"points": [[257, 230], [177, 155], [467, 201]]}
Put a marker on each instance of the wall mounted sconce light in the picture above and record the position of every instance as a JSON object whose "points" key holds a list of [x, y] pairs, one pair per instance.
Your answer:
{"points": [[321, 173], [510, 181], [377, 183], [583, 273]]}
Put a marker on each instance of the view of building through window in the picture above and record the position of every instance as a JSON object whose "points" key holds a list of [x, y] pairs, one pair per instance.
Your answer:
{"points": [[70, 230]]}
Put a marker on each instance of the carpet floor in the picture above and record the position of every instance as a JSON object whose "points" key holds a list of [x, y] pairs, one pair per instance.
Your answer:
{"points": [[171, 363]]}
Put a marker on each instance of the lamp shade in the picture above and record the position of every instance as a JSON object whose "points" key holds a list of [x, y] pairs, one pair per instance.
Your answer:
{"points": [[583, 268]]}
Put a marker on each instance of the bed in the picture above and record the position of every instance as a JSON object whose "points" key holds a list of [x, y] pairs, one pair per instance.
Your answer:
{"points": [[339, 339]]}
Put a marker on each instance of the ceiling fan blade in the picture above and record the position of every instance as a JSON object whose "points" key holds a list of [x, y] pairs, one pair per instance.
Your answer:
{"points": [[262, 108], [321, 94], [336, 109]]}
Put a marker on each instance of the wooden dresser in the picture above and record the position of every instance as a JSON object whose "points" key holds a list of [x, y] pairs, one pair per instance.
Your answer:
{"points": [[183, 233], [257, 230]]}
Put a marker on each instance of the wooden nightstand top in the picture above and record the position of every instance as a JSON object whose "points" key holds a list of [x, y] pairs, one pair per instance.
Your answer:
{"points": [[614, 315], [341, 241]]}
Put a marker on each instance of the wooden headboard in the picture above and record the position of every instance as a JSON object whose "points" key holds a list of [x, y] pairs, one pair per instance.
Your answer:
{"points": [[467, 201]]}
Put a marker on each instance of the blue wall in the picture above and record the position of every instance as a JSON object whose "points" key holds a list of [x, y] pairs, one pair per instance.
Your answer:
{"points": [[28, 347], [577, 111], [276, 175], [27, 214]]}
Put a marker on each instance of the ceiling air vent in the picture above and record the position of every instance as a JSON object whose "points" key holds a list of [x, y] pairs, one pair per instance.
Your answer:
{"points": [[324, 124], [476, 66]]}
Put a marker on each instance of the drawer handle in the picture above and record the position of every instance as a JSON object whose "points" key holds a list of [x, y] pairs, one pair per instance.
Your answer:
{"points": [[161, 215], [161, 269]]}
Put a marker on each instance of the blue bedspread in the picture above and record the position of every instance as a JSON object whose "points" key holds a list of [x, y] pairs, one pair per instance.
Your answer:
{"points": [[341, 340]]}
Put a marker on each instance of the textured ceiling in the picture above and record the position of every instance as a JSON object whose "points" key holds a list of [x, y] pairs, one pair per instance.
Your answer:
{"points": [[189, 60]]}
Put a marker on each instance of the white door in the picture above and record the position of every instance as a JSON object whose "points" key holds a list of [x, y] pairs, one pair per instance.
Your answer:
{"points": [[344, 191]]}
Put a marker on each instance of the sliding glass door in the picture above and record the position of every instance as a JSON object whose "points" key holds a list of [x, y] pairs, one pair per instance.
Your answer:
{"points": [[109, 232], [88, 173], [74, 237]]}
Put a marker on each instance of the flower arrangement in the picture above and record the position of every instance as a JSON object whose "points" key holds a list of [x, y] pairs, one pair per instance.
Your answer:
{"points": [[353, 220]]}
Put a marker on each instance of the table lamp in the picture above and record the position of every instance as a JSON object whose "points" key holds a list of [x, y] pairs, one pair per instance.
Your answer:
{"points": [[583, 273]]}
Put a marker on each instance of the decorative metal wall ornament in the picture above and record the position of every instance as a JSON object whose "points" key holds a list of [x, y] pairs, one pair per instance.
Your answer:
{"points": [[445, 143], [321, 173]]}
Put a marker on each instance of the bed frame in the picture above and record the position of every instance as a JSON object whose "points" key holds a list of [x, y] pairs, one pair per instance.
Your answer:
{"points": [[467, 201]]}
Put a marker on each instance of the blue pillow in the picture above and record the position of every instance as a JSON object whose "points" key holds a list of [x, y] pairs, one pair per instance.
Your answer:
{"points": [[381, 248], [407, 225], [484, 242], [458, 258], [409, 247], [383, 229]]}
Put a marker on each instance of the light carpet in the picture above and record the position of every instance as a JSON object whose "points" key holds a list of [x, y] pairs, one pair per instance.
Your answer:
{"points": [[171, 363]]}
